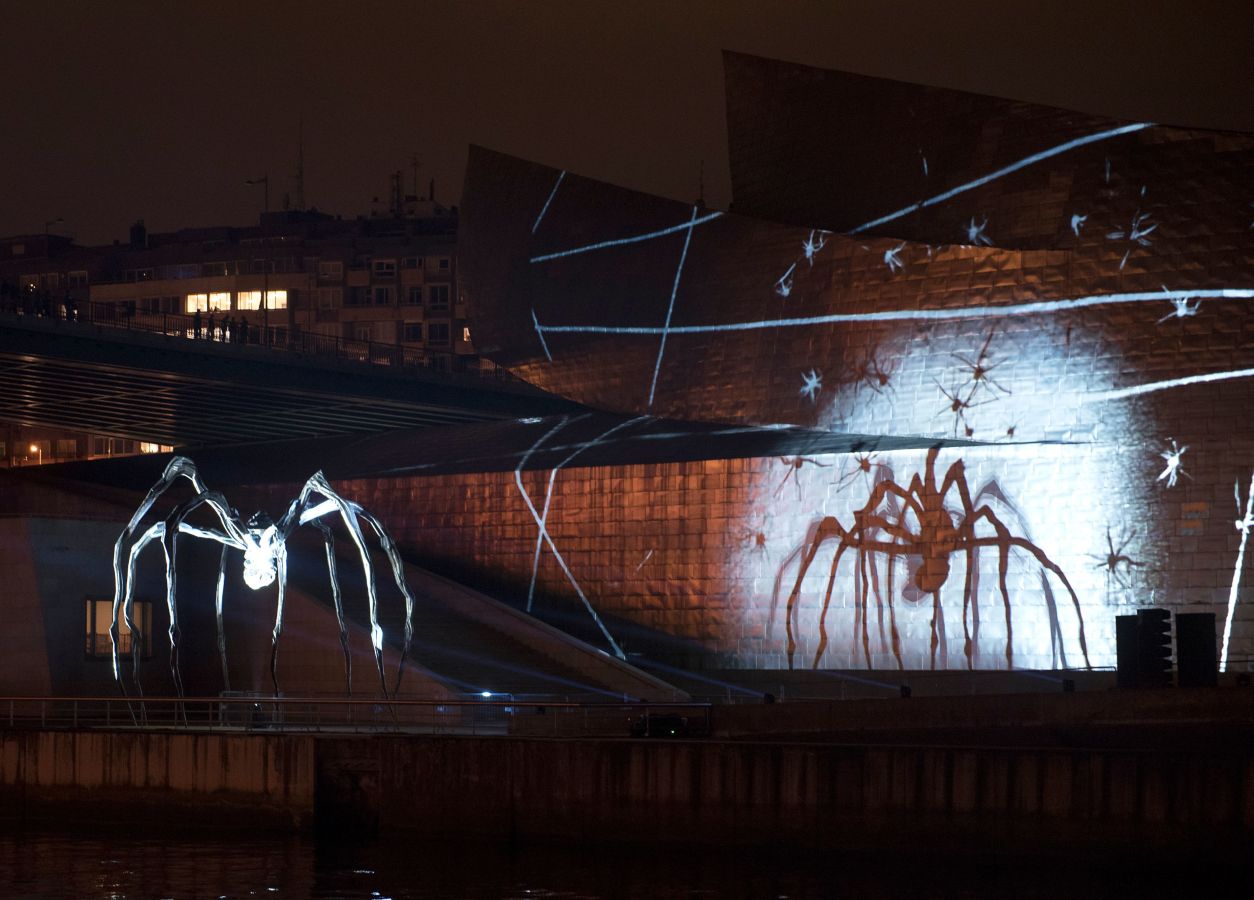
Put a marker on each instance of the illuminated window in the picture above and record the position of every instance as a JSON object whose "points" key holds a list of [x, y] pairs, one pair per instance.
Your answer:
{"points": [[466, 334], [146, 447], [437, 296], [248, 300], [99, 615], [197, 303], [276, 299], [221, 300]]}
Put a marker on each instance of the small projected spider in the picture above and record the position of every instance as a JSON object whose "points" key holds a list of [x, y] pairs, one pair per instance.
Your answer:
{"points": [[264, 545]]}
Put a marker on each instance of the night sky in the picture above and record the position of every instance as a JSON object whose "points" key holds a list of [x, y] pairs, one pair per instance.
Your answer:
{"points": [[121, 110]]}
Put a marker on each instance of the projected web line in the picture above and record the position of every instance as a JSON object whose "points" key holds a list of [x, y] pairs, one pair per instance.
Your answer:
{"points": [[552, 194], [1243, 525], [1156, 386], [633, 239], [670, 309], [1002, 172], [541, 519], [902, 315]]}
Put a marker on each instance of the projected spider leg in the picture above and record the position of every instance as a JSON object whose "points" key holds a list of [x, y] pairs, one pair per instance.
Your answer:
{"points": [[928, 528]]}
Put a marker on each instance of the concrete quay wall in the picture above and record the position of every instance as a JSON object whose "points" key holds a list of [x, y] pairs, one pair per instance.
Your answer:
{"points": [[180, 779], [751, 793]]}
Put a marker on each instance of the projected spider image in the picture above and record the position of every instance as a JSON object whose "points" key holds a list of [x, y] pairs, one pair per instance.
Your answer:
{"points": [[263, 543], [922, 526]]}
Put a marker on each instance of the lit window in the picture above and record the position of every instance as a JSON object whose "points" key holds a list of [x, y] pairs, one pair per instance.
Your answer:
{"points": [[145, 447], [197, 303], [99, 615], [466, 334], [220, 301], [248, 300], [276, 299]]}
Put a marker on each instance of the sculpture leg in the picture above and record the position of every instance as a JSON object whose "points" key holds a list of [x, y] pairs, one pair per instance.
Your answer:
{"points": [[217, 609], [278, 622], [398, 572], [128, 603], [338, 599], [171, 569]]}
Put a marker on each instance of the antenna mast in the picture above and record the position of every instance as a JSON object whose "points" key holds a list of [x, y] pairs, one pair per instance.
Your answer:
{"points": [[300, 165]]}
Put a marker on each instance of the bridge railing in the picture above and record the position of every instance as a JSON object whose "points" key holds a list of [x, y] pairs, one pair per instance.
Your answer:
{"points": [[241, 332], [296, 715]]}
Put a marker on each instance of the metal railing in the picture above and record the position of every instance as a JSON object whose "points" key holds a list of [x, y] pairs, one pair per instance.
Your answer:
{"points": [[278, 337], [299, 715]]}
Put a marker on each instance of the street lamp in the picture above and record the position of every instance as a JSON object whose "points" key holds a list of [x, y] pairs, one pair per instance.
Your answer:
{"points": [[38, 448]]}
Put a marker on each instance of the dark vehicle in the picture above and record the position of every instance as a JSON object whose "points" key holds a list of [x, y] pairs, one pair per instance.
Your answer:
{"points": [[660, 725]]}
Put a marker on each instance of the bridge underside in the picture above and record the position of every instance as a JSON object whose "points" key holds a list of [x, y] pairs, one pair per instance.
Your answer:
{"points": [[153, 388]]}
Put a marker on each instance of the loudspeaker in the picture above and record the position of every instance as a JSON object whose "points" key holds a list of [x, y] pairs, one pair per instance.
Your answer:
{"points": [[1126, 652], [1196, 662]]}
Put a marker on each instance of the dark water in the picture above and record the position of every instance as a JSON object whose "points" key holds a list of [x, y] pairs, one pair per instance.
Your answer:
{"points": [[109, 863]]}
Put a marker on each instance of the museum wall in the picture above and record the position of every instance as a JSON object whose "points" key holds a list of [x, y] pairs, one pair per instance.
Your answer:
{"points": [[1094, 387]]}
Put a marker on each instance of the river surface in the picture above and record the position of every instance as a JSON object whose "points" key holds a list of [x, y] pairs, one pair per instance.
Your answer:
{"points": [[108, 863]]}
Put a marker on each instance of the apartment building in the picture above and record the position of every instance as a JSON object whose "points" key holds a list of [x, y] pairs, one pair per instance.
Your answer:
{"points": [[297, 278]]}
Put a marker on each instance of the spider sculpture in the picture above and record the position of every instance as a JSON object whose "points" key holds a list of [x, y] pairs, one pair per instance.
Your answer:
{"points": [[264, 546], [919, 521]]}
